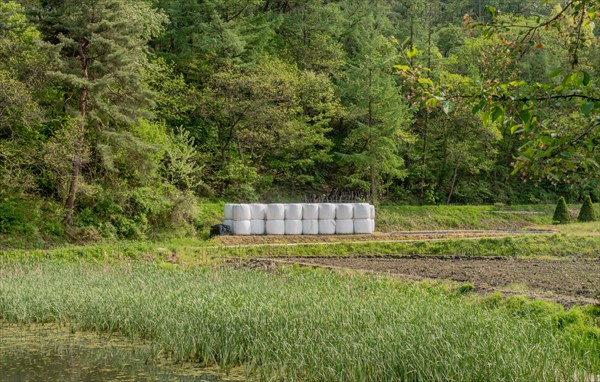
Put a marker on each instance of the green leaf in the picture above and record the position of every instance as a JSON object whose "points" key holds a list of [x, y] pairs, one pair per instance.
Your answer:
{"points": [[555, 72], [431, 103], [497, 113], [402, 67], [587, 108], [425, 81], [492, 10], [448, 107], [411, 53], [586, 78], [477, 108], [525, 116]]}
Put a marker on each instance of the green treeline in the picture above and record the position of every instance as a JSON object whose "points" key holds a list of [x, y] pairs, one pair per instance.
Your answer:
{"points": [[117, 116]]}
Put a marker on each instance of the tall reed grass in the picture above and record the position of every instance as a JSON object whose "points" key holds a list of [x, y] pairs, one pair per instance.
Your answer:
{"points": [[298, 324]]}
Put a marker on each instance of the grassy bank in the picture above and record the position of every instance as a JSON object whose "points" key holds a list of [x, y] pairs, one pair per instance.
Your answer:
{"points": [[192, 252], [542, 246], [411, 218], [389, 218], [307, 324]]}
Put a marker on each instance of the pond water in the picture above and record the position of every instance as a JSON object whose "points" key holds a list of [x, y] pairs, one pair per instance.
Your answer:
{"points": [[51, 353]]}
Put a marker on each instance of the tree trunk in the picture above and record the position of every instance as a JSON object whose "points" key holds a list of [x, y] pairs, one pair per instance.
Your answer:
{"points": [[80, 139], [373, 185], [370, 124], [453, 184], [424, 156]]}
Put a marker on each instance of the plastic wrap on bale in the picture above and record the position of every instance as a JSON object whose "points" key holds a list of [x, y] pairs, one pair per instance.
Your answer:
{"points": [[276, 227]]}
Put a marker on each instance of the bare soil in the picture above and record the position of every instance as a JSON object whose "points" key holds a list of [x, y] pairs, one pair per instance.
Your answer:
{"points": [[569, 282]]}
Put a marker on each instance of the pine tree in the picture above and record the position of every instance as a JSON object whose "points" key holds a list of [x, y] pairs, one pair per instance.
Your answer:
{"points": [[561, 214], [103, 49], [587, 213], [376, 114]]}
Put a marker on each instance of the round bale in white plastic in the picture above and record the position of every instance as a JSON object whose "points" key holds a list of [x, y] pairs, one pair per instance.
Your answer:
{"points": [[310, 227], [372, 211], [326, 227], [228, 211], [310, 211], [326, 211], [363, 226], [293, 212], [275, 227], [344, 227], [241, 212], [275, 211], [258, 211], [257, 227], [293, 227], [229, 223], [344, 211], [241, 227], [362, 211]]}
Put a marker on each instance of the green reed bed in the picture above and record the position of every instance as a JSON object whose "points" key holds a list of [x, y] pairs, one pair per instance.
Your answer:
{"points": [[299, 324]]}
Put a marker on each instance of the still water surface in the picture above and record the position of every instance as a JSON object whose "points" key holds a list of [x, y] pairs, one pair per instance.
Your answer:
{"points": [[51, 353]]}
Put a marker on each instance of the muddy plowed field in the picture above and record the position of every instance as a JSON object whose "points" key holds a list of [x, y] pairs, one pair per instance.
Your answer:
{"points": [[565, 281]]}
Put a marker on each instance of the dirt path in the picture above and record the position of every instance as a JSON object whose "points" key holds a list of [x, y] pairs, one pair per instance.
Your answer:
{"points": [[569, 282]]}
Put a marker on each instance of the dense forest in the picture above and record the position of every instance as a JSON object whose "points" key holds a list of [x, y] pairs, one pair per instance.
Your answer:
{"points": [[118, 117]]}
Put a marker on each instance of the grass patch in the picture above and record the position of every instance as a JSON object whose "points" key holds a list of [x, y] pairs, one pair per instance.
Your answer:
{"points": [[300, 324], [413, 218], [194, 252], [531, 246]]}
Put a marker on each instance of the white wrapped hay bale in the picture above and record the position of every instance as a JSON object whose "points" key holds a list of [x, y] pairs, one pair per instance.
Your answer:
{"points": [[363, 226], [372, 211], [275, 227], [241, 212], [241, 227], [344, 227], [326, 226], [293, 227], [257, 227], [229, 223], [275, 211], [310, 227], [344, 211], [327, 211], [310, 211], [228, 211], [293, 211], [372, 225], [258, 211], [362, 211]]}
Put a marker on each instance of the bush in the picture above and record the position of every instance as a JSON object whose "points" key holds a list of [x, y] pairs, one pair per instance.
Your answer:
{"points": [[561, 214], [18, 216], [587, 213]]}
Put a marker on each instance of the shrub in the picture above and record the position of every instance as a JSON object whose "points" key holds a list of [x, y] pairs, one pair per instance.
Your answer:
{"points": [[561, 213], [587, 213]]}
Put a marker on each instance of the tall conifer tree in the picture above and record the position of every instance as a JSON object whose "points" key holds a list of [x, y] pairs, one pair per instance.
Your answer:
{"points": [[103, 49]]}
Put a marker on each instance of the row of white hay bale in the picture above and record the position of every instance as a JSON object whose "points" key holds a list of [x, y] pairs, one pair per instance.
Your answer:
{"points": [[300, 218]]}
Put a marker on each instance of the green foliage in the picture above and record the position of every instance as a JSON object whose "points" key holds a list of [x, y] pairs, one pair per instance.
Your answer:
{"points": [[561, 213], [16, 216], [262, 100], [587, 213], [376, 115]]}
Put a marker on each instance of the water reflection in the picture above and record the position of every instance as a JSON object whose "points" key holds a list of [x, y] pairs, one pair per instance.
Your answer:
{"points": [[52, 353]]}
